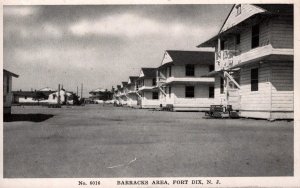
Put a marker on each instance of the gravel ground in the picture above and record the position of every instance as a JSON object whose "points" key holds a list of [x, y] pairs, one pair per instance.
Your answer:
{"points": [[106, 141]]}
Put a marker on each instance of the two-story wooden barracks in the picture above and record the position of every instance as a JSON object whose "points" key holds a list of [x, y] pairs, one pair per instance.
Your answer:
{"points": [[251, 69], [254, 61]]}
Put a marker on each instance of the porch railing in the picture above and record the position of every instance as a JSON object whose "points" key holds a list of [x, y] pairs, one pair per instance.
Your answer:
{"points": [[226, 59]]}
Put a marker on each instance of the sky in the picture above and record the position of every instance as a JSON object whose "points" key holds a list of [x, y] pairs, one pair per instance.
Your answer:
{"points": [[99, 45]]}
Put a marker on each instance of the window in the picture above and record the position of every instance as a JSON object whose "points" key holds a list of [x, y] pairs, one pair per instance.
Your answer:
{"points": [[170, 71], [7, 84], [143, 83], [254, 79], [211, 92], [238, 10], [238, 39], [170, 91], [221, 85], [189, 91], [154, 95], [255, 36], [222, 44], [211, 68], [190, 70], [25, 97], [154, 81], [54, 96]]}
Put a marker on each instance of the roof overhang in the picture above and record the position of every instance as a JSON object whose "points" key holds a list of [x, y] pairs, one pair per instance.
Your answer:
{"points": [[269, 57], [194, 81], [147, 88], [10, 73], [210, 42], [211, 74], [165, 65]]}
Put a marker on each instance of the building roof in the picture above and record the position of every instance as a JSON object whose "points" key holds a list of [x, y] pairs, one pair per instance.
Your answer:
{"points": [[24, 93], [269, 9], [191, 57], [132, 79], [47, 89], [124, 84], [282, 9], [149, 72], [10, 73], [99, 90], [31, 93]]}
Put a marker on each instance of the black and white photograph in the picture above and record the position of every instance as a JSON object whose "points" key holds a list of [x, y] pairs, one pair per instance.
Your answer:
{"points": [[132, 91]]}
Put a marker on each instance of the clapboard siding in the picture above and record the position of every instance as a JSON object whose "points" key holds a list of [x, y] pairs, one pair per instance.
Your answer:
{"points": [[246, 12], [282, 86], [264, 36], [178, 71], [234, 99], [264, 32], [282, 32], [255, 100], [178, 100], [219, 98]]}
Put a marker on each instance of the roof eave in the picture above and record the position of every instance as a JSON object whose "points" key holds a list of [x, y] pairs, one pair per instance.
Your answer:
{"points": [[11, 73], [209, 43]]}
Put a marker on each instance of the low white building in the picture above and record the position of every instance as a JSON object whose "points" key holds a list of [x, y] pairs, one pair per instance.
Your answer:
{"points": [[24, 97], [182, 87], [147, 90], [7, 93], [64, 98]]}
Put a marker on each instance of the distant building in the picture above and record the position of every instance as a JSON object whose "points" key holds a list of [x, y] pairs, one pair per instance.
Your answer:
{"points": [[97, 94], [123, 94], [30, 97], [182, 87], [47, 89], [147, 90], [24, 97], [65, 97], [117, 95], [101, 94], [132, 91], [7, 93]]}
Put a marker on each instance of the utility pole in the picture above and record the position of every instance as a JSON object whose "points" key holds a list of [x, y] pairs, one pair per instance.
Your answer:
{"points": [[77, 91], [81, 90], [58, 97]]}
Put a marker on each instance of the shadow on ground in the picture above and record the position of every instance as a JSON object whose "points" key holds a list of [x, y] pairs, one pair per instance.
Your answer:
{"points": [[27, 117]]}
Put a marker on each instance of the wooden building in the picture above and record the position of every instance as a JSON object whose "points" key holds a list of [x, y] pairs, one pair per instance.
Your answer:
{"points": [[254, 61], [117, 94], [123, 94], [146, 86], [182, 87], [132, 93], [7, 91], [31, 97], [97, 94], [100, 94], [62, 97]]}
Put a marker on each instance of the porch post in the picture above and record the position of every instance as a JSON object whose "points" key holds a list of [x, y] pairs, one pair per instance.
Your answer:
{"points": [[219, 44]]}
